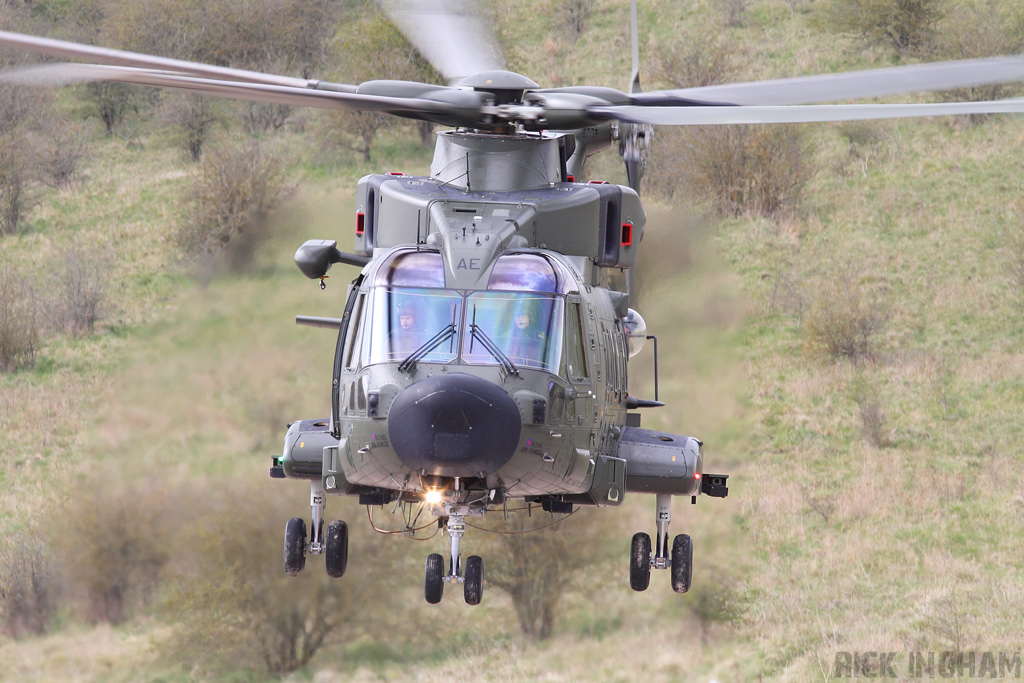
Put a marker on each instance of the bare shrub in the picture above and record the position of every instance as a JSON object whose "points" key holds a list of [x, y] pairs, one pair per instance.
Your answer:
{"points": [[948, 619], [233, 604], [114, 544], [19, 106], [864, 137], [190, 118], [235, 187], [353, 130], [734, 169], [254, 34], [787, 279], [290, 34], [16, 175], [575, 15], [872, 415], [842, 321], [113, 102], [693, 60], [534, 565], [872, 419], [732, 11], [21, 110], [369, 47], [971, 31], [1015, 264], [906, 25], [83, 279], [262, 117], [823, 504], [29, 587], [60, 147], [534, 570], [19, 320]]}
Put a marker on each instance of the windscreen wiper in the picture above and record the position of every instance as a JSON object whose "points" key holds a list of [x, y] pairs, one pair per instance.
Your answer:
{"points": [[444, 335], [477, 332]]}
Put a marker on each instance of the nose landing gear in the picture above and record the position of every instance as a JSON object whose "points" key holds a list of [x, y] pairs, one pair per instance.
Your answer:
{"points": [[472, 577], [642, 559]]}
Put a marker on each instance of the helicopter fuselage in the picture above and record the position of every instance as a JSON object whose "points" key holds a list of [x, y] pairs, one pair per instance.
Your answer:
{"points": [[482, 348]]}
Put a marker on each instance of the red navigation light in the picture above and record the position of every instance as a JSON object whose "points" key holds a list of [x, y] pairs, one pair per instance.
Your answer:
{"points": [[360, 223]]}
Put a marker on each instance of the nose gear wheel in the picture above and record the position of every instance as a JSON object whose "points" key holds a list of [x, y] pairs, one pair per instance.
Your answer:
{"points": [[470, 575]]}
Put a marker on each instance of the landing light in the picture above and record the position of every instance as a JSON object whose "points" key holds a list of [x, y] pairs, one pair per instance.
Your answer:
{"points": [[433, 497]]}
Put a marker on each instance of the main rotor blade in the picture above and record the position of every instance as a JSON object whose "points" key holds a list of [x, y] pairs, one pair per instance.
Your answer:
{"points": [[709, 116], [108, 56], [450, 34], [854, 84], [449, 103]]}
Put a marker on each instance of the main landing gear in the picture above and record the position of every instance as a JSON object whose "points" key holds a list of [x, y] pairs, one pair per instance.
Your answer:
{"points": [[642, 559], [471, 576], [333, 545]]}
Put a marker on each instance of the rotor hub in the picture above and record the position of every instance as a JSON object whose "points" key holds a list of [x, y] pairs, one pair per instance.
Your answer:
{"points": [[507, 87]]}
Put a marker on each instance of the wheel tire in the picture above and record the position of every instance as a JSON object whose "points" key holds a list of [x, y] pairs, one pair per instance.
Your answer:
{"points": [[640, 562], [473, 587], [294, 546], [682, 563], [433, 585], [337, 549]]}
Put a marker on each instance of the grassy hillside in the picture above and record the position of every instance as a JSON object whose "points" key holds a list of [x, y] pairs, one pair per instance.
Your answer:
{"points": [[876, 501]]}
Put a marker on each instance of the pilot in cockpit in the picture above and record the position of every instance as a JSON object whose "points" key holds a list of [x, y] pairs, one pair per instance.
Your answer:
{"points": [[406, 338], [526, 344]]}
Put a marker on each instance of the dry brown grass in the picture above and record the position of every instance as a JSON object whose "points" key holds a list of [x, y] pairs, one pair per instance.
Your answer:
{"points": [[80, 654]]}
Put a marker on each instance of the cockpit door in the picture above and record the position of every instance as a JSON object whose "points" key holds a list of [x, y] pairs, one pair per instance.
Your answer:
{"points": [[339, 355]]}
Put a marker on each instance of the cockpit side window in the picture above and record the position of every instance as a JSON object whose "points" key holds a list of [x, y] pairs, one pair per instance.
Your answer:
{"points": [[355, 331], [575, 349]]}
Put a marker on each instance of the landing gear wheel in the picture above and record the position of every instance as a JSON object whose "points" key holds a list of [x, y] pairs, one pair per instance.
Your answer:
{"points": [[682, 563], [640, 562], [336, 549], [433, 585], [473, 587], [294, 546]]}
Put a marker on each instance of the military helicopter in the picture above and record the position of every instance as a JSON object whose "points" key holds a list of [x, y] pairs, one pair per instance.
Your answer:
{"points": [[483, 349]]}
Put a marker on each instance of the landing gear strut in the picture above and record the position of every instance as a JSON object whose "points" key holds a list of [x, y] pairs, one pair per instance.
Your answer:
{"points": [[334, 544], [642, 559], [472, 577]]}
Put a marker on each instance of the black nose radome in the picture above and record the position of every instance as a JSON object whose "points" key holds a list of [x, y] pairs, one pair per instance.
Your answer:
{"points": [[454, 425]]}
